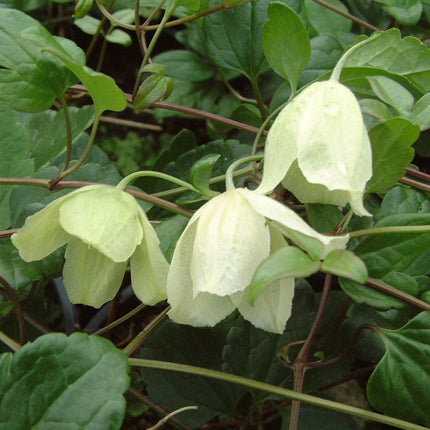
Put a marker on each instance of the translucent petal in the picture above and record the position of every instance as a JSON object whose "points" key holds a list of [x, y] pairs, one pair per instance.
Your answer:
{"points": [[105, 218], [333, 148], [90, 278], [293, 226], [307, 192], [42, 233], [203, 310], [232, 239], [271, 309], [148, 267], [280, 150]]}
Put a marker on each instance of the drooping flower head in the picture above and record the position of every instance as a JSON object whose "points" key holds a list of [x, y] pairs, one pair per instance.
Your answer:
{"points": [[104, 228], [319, 149], [219, 251]]}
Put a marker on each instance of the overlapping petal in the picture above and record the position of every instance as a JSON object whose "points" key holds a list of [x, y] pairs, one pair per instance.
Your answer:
{"points": [[319, 149]]}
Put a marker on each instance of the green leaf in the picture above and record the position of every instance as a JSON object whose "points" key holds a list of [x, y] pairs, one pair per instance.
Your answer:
{"points": [[325, 20], [392, 93], [400, 384], [78, 381], [47, 132], [201, 172], [286, 43], [82, 7], [420, 114], [233, 38], [119, 37], [103, 89], [323, 218], [399, 252], [286, 262], [168, 233], [345, 264], [14, 157], [391, 151], [30, 80], [407, 57], [87, 24], [406, 12], [184, 65], [326, 419], [377, 299], [192, 346]]}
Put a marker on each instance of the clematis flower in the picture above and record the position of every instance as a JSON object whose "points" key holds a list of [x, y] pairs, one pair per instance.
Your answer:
{"points": [[319, 149], [104, 228], [220, 249]]}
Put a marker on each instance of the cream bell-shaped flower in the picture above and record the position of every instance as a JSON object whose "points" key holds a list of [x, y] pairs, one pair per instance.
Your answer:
{"points": [[319, 149], [104, 228], [220, 249]]}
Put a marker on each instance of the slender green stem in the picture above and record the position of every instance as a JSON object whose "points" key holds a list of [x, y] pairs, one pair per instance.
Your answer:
{"points": [[335, 75], [347, 15], [167, 14], [229, 184], [99, 27], [120, 320], [13, 345], [145, 173], [214, 180], [68, 131], [84, 155], [279, 391], [140, 338], [388, 230], [259, 98]]}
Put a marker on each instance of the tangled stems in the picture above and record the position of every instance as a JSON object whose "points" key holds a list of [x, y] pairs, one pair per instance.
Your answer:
{"points": [[279, 391], [229, 174]]}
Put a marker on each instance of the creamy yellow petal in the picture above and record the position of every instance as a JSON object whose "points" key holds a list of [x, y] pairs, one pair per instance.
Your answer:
{"points": [[149, 267], [293, 226], [42, 233], [231, 240], [202, 310], [90, 278], [105, 218]]}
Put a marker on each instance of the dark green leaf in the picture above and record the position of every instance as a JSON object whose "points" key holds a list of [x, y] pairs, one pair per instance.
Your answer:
{"points": [[169, 232], [47, 132], [323, 218], [14, 157], [399, 252], [286, 262], [326, 419], [30, 80], [391, 151], [286, 43], [345, 264], [406, 12], [233, 38], [325, 20], [400, 384], [420, 114], [77, 381]]}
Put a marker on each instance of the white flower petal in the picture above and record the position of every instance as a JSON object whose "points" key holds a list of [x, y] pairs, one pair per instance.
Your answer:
{"points": [[231, 240], [280, 149], [333, 148], [148, 267], [204, 309], [307, 192], [42, 233], [293, 226], [105, 218], [271, 309], [90, 278]]}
